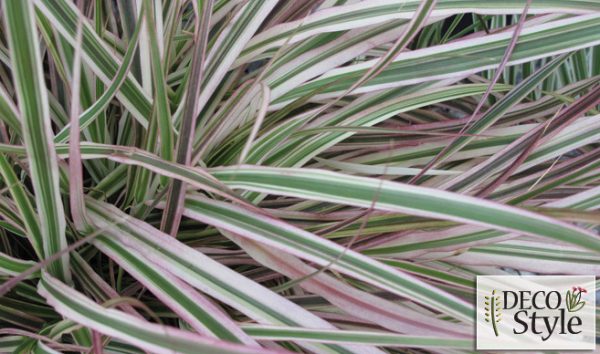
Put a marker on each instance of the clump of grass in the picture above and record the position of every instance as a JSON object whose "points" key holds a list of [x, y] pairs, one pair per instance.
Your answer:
{"points": [[287, 176]]}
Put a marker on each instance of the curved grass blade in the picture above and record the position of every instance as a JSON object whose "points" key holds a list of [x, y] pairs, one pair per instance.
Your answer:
{"points": [[87, 117], [456, 59], [289, 239], [398, 197], [37, 133], [13, 266], [357, 303], [353, 15], [64, 16], [358, 337], [161, 110], [190, 305], [28, 215], [211, 277], [146, 335]]}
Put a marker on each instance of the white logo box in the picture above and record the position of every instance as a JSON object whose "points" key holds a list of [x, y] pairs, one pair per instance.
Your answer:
{"points": [[523, 305]]}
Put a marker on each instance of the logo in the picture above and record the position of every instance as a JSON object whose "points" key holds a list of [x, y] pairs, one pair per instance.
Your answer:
{"points": [[493, 308], [536, 312], [574, 302]]}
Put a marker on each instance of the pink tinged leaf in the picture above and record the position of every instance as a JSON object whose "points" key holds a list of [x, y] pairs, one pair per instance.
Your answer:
{"points": [[262, 112], [97, 345], [75, 168], [215, 312], [513, 167], [102, 285], [499, 72], [270, 238], [549, 130], [157, 248], [12, 282], [75, 306], [357, 303], [176, 195]]}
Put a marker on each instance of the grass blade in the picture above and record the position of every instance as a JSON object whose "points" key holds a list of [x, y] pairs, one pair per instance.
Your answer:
{"points": [[33, 104]]}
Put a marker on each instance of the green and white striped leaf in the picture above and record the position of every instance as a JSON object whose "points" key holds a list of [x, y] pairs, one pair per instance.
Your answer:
{"points": [[450, 60], [360, 14], [207, 275], [391, 196], [37, 132], [375, 338], [286, 238], [63, 16], [146, 335]]}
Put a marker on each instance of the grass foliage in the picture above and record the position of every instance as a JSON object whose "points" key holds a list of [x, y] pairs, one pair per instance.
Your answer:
{"points": [[257, 176]]}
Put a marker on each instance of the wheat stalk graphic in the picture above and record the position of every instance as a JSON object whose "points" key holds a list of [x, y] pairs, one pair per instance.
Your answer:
{"points": [[493, 312]]}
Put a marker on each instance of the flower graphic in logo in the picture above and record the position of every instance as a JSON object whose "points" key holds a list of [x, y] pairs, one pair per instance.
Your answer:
{"points": [[574, 302], [492, 310]]}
